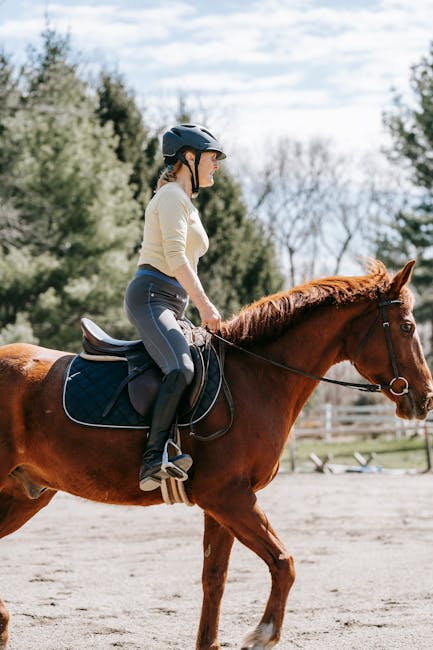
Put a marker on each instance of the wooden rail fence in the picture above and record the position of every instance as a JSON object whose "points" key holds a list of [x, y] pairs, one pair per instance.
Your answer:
{"points": [[332, 422]]}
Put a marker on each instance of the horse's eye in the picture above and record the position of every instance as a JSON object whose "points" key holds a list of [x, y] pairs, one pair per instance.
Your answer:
{"points": [[407, 328]]}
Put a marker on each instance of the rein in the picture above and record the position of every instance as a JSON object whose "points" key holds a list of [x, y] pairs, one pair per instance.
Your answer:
{"points": [[370, 388]]}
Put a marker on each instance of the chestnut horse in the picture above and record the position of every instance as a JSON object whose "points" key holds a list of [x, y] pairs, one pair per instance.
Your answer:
{"points": [[309, 328]]}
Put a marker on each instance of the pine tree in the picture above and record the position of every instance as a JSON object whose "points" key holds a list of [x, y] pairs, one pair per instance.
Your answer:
{"points": [[136, 145], [9, 91], [410, 234], [77, 222], [77, 168]]}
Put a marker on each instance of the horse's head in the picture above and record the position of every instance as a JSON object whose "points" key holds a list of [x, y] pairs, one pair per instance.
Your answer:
{"points": [[385, 348]]}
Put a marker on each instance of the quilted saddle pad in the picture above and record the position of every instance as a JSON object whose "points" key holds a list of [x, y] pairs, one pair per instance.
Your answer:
{"points": [[90, 385]]}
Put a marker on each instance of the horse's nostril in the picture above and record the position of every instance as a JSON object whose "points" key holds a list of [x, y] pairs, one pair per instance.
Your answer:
{"points": [[429, 402]]}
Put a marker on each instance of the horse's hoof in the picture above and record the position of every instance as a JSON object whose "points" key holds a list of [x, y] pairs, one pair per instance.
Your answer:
{"points": [[260, 639]]}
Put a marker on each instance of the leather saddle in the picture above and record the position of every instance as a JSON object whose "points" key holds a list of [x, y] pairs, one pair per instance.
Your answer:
{"points": [[144, 376]]}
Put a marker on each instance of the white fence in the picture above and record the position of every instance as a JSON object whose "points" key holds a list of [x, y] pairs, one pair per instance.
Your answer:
{"points": [[331, 422]]}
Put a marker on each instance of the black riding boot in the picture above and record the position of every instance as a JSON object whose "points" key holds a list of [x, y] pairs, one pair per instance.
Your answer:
{"points": [[164, 413]]}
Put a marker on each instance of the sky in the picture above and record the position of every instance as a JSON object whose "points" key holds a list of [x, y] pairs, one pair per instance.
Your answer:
{"points": [[258, 70]]}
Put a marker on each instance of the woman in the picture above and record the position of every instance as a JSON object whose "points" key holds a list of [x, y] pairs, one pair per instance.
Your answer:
{"points": [[173, 241]]}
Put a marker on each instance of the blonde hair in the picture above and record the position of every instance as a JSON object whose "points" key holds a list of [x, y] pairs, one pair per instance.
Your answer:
{"points": [[168, 175]]}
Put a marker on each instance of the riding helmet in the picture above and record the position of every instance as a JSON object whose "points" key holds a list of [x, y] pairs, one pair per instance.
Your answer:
{"points": [[189, 136]]}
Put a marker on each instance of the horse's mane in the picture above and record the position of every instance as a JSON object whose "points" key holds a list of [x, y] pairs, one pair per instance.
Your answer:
{"points": [[270, 316]]}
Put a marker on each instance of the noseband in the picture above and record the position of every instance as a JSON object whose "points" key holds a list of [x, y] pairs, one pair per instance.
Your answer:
{"points": [[370, 388]]}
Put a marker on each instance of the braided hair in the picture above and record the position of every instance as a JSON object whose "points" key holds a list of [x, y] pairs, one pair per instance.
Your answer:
{"points": [[168, 174]]}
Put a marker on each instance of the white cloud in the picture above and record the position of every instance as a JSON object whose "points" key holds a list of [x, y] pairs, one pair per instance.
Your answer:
{"points": [[94, 24], [302, 67], [15, 30], [220, 84]]}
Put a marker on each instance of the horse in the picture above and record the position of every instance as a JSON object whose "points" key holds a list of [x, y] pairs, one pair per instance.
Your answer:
{"points": [[277, 349]]}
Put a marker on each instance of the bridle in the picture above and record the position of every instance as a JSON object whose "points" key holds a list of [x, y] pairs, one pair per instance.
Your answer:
{"points": [[382, 315]]}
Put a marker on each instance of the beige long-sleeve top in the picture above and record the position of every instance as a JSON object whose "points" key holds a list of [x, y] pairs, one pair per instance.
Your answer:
{"points": [[173, 233]]}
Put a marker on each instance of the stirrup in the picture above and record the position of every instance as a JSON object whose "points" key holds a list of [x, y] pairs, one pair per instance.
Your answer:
{"points": [[176, 467]]}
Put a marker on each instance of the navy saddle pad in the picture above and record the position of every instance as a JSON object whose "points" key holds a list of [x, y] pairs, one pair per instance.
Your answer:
{"points": [[90, 385]]}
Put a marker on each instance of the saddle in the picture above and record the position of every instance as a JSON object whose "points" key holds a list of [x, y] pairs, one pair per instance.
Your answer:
{"points": [[143, 376]]}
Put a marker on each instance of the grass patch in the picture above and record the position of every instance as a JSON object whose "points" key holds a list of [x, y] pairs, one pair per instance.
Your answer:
{"points": [[406, 453]]}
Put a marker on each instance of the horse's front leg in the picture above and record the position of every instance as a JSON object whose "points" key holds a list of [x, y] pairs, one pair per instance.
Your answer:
{"points": [[217, 546], [4, 626], [238, 511]]}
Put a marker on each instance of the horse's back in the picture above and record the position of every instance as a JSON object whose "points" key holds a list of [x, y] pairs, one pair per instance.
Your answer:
{"points": [[27, 374], [17, 356], [23, 365]]}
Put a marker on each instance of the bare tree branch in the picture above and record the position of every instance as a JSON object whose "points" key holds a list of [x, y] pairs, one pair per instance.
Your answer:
{"points": [[319, 207]]}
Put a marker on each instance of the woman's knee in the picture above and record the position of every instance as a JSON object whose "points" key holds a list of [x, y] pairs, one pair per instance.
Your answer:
{"points": [[187, 368]]}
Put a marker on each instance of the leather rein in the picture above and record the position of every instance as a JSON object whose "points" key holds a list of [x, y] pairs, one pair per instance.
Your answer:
{"points": [[382, 315]]}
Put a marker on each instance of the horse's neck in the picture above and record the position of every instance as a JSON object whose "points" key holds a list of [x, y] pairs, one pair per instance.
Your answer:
{"points": [[313, 346], [317, 342]]}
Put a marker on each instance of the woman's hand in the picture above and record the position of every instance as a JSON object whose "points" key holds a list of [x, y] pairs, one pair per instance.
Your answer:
{"points": [[209, 314], [210, 317]]}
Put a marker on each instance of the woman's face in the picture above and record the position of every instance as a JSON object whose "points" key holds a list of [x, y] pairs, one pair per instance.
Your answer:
{"points": [[207, 167]]}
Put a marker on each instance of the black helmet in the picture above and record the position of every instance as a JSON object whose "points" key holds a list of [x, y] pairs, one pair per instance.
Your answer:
{"points": [[189, 136]]}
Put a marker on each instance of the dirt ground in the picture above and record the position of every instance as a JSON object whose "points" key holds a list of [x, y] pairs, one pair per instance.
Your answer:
{"points": [[82, 575]]}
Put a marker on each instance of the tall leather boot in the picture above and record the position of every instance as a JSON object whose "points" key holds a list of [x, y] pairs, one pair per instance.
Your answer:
{"points": [[164, 413]]}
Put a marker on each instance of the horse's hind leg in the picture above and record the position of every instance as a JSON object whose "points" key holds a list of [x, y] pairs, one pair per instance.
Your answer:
{"points": [[217, 546], [15, 509], [238, 511], [4, 626]]}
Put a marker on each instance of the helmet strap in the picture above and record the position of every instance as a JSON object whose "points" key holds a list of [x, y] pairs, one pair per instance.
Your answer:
{"points": [[196, 183], [194, 174]]}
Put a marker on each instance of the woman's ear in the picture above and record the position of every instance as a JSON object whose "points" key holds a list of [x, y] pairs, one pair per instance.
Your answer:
{"points": [[190, 156]]}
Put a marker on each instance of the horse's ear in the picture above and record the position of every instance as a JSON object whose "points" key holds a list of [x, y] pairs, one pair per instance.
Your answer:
{"points": [[402, 278]]}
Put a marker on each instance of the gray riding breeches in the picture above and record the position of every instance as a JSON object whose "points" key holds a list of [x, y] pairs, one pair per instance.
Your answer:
{"points": [[154, 303]]}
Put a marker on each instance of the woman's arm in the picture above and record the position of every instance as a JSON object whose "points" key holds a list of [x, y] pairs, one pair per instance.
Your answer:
{"points": [[209, 314]]}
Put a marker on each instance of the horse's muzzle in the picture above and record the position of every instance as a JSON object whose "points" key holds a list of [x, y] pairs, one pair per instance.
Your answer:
{"points": [[411, 406], [429, 403]]}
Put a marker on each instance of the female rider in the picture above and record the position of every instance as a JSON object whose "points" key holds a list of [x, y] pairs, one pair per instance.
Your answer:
{"points": [[173, 241]]}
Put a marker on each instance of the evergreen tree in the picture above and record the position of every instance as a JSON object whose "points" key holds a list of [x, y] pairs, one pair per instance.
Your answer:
{"points": [[135, 146], [76, 170], [77, 222], [410, 233], [9, 92], [10, 99]]}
